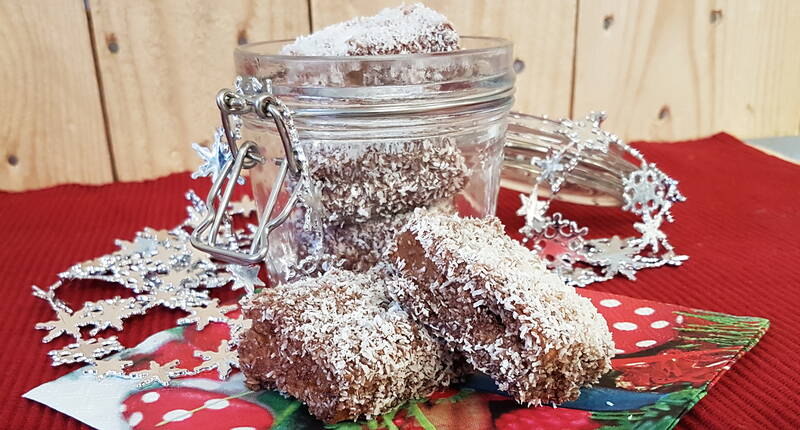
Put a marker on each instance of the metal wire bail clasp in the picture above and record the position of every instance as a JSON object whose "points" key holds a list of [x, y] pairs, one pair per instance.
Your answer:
{"points": [[246, 156]]}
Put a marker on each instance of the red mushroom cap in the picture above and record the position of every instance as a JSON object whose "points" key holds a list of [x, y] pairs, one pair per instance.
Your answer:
{"points": [[635, 325], [190, 409]]}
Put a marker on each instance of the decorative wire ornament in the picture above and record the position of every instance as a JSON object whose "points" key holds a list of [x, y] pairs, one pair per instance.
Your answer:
{"points": [[646, 191], [162, 269]]}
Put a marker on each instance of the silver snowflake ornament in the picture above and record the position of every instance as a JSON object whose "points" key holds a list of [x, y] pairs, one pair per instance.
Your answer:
{"points": [[534, 210], [196, 211], [245, 277], [174, 279], [164, 257], [237, 328], [49, 296], [162, 269], [587, 133], [159, 373], [615, 255], [174, 298], [214, 158], [551, 169], [211, 312], [111, 366], [244, 207], [110, 313], [651, 234], [562, 243], [65, 323], [194, 257], [645, 191], [141, 245], [223, 359]]}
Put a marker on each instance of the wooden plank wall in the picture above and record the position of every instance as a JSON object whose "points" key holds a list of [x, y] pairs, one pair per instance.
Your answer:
{"points": [[51, 129], [97, 90], [676, 69], [162, 63]]}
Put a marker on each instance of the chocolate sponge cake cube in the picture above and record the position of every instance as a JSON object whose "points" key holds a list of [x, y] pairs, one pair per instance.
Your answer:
{"points": [[491, 299], [341, 346]]}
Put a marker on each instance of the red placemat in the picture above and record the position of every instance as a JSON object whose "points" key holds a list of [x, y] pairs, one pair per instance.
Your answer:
{"points": [[740, 227]]}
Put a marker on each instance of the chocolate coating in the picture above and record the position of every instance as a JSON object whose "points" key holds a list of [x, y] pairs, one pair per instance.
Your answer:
{"points": [[341, 346], [491, 299], [363, 181]]}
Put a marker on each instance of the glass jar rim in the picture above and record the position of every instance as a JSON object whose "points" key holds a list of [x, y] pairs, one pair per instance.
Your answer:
{"points": [[252, 50], [482, 72]]}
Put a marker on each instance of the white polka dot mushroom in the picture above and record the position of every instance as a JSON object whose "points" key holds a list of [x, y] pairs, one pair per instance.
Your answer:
{"points": [[636, 325], [191, 409]]}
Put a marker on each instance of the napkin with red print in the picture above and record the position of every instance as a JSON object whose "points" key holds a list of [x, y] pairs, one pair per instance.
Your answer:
{"points": [[667, 358]]}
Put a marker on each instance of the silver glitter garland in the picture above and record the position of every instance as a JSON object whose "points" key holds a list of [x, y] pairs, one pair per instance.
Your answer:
{"points": [[162, 269], [88, 351], [647, 192]]}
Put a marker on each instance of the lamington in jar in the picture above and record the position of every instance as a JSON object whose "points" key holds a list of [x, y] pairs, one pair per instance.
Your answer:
{"points": [[411, 29]]}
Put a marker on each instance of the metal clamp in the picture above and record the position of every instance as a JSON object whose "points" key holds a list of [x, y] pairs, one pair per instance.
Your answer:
{"points": [[246, 156]]}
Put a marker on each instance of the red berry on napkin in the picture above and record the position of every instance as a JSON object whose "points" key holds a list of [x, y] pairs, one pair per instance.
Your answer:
{"points": [[545, 418], [636, 325], [190, 409]]}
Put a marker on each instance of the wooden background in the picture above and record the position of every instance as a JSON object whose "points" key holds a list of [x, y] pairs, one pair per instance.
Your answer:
{"points": [[102, 90]]}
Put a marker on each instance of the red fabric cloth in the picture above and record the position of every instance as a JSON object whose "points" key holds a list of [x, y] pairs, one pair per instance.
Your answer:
{"points": [[740, 226]]}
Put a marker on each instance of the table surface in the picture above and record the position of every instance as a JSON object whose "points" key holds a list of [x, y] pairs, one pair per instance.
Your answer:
{"points": [[739, 226]]}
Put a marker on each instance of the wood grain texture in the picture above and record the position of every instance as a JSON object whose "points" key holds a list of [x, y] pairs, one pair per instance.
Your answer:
{"points": [[542, 31], [52, 128], [162, 63], [675, 69]]}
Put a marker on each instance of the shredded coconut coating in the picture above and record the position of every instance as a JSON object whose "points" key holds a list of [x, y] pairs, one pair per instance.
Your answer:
{"points": [[413, 29], [361, 246], [341, 346], [490, 298], [361, 181]]}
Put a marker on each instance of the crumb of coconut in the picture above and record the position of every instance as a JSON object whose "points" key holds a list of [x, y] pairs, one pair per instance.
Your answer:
{"points": [[414, 29]]}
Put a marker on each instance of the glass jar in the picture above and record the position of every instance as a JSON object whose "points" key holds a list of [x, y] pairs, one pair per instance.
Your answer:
{"points": [[379, 136]]}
